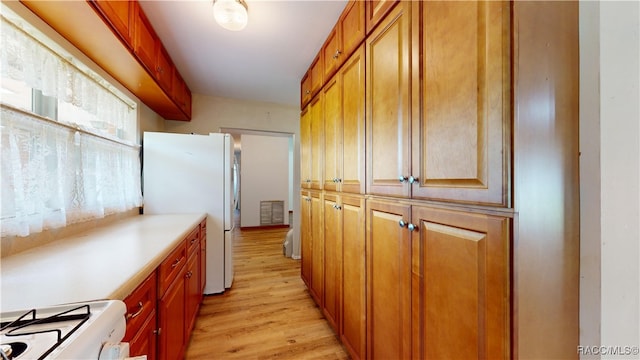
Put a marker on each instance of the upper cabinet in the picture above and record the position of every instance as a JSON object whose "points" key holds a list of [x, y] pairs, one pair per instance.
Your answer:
{"points": [[376, 10], [342, 41], [119, 14], [388, 112], [119, 38], [461, 119]]}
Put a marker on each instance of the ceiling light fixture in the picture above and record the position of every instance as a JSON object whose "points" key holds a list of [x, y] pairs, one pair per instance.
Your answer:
{"points": [[231, 14]]}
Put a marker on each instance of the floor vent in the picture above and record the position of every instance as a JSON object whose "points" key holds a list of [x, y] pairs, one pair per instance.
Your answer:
{"points": [[272, 212]]}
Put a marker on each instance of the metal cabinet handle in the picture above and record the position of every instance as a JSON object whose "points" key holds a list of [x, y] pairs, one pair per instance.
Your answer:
{"points": [[402, 223], [412, 179], [412, 227], [402, 178], [337, 54], [175, 263], [140, 308]]}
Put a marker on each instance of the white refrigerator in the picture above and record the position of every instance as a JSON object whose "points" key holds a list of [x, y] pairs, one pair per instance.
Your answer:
{"points": [[184, 173]]}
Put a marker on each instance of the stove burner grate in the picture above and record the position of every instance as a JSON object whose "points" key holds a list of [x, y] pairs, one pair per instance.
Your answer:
{"points": [[20, 326]]}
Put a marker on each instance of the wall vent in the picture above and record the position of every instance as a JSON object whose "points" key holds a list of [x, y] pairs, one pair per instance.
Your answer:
{"points": [[272, 212]]}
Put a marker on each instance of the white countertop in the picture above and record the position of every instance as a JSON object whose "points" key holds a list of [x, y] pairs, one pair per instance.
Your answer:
{"points": [[104, 263]]}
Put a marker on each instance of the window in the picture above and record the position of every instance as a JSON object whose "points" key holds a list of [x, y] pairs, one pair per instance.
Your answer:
{"points": [[67, 136]]}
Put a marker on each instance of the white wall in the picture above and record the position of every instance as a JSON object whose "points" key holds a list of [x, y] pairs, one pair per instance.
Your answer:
{"points": [[610, 174], [212, 113], [265, 175]]}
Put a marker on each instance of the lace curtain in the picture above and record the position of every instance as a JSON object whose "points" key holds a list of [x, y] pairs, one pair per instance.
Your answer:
{"points": [[53, 175], [78, 167], [26, 55]]}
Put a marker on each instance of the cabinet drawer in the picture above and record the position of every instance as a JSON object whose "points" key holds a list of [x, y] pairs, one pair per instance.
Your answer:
{"points": [[140, 304], [193, 240], [170, 267]]}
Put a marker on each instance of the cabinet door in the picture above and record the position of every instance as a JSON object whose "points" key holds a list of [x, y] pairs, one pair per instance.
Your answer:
{"points": [[353, 293], [332, 93], [145, 40], [461, 141], [192, 293], [305, 90], [305, 148], [305, 238], [332, 260], [463, 262], [388, 104], [172, 320], [352, 155], [388, 281], [375, 12], [119, 15], [352, 27], [317, 248], [332, 52], [164, 70], [144, 343], [316, 71], [317, 141], [203, 256]]}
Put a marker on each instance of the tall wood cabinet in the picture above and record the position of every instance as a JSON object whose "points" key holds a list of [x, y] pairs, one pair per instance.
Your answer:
{"points": [[344, 130], [388, 258], [466, 115]]}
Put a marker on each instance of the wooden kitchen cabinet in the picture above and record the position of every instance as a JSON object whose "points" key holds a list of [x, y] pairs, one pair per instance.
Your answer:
{"points": [[305, 148], [317, 248], [171, 313], [353, 285], [164, 70], [344, 38], [461, 279], [312, 244], [344, 127], [305, 89], [311, 144], [388, 89], [145, 40], [141, 318], [332, 259], [193, 292], [316, 137], [203, 256], [119, 14], [388, 259], [305, 237], [375, 11], [461, 125]]}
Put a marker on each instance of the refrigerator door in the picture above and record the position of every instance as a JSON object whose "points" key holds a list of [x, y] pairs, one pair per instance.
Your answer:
{"points": [[228, 181], [185, 174], [228, 258]]}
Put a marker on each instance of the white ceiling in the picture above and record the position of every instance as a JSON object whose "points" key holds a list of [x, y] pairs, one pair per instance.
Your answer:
{"points": [[263, 62]]}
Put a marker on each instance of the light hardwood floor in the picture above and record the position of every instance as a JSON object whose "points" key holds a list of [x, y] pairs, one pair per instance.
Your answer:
{"points": [[267, 313]]}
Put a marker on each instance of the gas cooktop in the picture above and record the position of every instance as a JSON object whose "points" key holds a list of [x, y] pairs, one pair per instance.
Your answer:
{"points": [[71, 331]]}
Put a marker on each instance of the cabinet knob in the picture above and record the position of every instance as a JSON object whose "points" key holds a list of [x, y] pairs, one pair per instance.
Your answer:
{"points": [[412, 227], [337, 54], [412, 179], [402, 223], [307, 92], [402, 178]]}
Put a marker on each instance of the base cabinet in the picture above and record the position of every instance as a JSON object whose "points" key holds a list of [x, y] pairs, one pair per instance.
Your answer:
{"points": [[460, 265], [141, 319], [388, 280], [172, 320], [162, 311], [353, 296]]}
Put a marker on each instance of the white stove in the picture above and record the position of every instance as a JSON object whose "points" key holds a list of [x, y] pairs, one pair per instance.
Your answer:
{"points": [[90, 330]]}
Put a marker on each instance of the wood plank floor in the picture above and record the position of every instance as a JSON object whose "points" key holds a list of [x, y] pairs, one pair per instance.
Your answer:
{"points": [[267, 313]]}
